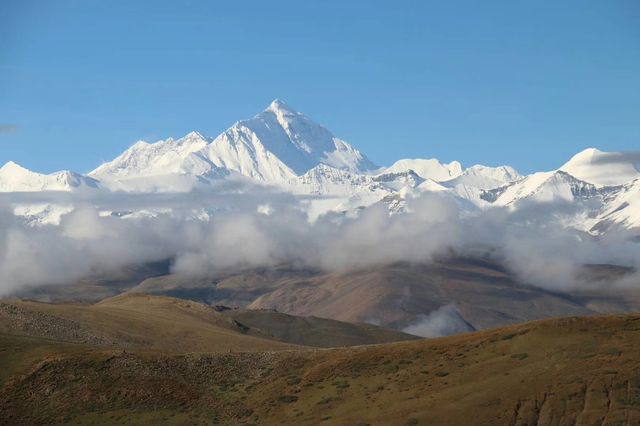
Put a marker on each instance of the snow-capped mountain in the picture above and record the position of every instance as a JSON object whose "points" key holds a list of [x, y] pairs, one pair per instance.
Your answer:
{"points": [[275, 146], [282, 148], [166, 165], [168, 156], [483, 177], [622, 209], [601, 168], [428, 169], [596, 208], [473, 181], [279, 144], [542, 187], [15, 178]]}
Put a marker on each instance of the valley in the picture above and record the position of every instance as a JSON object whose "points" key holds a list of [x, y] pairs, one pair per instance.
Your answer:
{"points": [[478, 293]]}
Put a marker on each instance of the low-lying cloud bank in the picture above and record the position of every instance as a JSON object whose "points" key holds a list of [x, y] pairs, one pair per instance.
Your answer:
{"points": [[443, 321], [265, 228]]}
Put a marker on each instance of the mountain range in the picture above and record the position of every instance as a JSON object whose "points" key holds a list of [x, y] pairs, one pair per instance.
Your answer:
{"points": [[164, 286], [282, 149]]}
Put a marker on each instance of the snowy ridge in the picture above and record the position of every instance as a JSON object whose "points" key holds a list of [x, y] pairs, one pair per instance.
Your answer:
{"points": [[483, 177], [282, 148], [279, 144], [542, 187], [622, 210], [275, 146], [601, 168], [168, 156], [15, 178], [428, 169]]}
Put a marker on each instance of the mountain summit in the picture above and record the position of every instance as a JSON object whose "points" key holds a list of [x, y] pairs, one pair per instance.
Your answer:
{"points": [[601, 168], [280, 143], [15, 178], [276, 145]]}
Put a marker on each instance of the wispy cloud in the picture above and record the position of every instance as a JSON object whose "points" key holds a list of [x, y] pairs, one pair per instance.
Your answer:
{"points": [[619, 157], [443, 321], [8, 128]]}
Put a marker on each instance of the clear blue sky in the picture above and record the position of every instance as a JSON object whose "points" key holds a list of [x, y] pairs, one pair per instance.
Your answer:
{"points": [[522, 83]]}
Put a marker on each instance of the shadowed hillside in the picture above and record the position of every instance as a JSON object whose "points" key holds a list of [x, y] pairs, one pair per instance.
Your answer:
{"points": [[481, 293], [313, 331]]}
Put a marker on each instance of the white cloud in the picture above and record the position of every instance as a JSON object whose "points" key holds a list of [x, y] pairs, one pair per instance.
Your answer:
{"points": [[530, 242]]}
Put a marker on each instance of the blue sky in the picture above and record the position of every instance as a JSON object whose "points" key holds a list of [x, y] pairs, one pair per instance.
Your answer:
{"points": [[522, 83]]}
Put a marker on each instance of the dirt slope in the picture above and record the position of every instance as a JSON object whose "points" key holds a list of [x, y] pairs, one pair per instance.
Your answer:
{"points": [[395, 295]]}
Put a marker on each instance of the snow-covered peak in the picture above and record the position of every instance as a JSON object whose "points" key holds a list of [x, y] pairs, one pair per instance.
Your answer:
{"points": [[279, 107], [13, 168], [280, 143], [428, 168], [484, 177], [69, 179], [193, 137], [274, 146], [152, 159], [432, 186], [15, 178], [602, 168], [139, 145], [542, 187]]}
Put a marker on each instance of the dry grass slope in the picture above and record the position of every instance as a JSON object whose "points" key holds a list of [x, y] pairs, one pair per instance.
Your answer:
{"points": [[174, 325], [573, 371], [133, 321]]}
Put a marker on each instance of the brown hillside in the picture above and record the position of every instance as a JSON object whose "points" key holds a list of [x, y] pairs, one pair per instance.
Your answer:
{"points": [[574, 371]]}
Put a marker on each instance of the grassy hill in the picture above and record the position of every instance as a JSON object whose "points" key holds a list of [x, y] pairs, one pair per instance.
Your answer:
{"points": [[579, 370], [175, 325], [136, 321]]}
